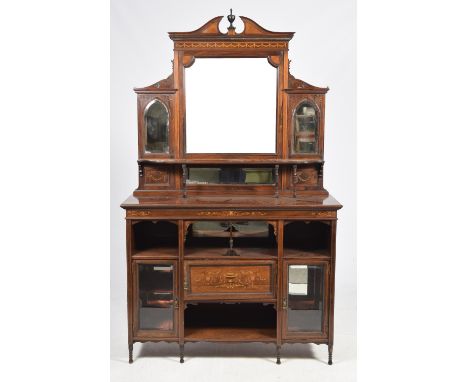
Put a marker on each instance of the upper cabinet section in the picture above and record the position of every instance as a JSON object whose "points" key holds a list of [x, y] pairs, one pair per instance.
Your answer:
{"points": [[156, 122], [230, 97], [305, 118]]}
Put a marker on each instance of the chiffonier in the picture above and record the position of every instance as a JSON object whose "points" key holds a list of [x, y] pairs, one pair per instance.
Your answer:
{"points": [[230, 233]]}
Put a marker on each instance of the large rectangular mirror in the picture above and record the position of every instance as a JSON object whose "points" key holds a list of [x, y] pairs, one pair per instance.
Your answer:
{"points": [[231, 106]]}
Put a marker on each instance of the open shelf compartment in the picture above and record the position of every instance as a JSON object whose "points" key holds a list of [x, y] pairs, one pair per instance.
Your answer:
{"points": [[211, 239], [307, 238], [224, 322], [155, 238]]}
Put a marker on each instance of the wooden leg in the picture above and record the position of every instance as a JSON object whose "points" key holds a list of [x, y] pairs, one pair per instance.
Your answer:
{"points": [[330, 354], [130, 353], [278, 359], [181, 347]]}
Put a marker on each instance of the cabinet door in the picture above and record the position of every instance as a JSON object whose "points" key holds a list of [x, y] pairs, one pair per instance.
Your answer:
{"points": [[155, 298], [305, 299]]}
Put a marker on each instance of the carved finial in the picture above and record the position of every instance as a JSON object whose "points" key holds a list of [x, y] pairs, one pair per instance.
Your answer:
{"points": [[231, 28]]}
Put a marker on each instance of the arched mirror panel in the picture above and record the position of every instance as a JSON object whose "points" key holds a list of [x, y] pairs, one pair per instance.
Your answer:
{"points": [[156, 128], [305, 129]]}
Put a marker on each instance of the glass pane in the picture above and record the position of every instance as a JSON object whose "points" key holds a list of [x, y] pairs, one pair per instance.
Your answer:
{"points": [[230, 175], [156, 296], [231, 106], [157, 128], [305, 298], [305, 129]]}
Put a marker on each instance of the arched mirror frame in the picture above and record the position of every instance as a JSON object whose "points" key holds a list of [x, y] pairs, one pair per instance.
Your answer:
{"points": [[168, 126], [318, 131], [164, 92], [253, 42]]}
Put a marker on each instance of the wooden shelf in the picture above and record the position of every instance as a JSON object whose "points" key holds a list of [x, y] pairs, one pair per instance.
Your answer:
{"points": [[230, 334], [292, 252], [229, 161], [218, 253], [163, 252]]}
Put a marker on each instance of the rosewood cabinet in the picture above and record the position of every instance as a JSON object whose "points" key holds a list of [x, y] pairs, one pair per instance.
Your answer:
{"points": [[231, 246]]}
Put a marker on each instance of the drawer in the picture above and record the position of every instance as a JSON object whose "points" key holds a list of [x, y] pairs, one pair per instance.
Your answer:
{"points": [[229, 279]]}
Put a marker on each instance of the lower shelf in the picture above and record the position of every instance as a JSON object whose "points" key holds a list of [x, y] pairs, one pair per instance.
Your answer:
{"points": [[230, 334]]}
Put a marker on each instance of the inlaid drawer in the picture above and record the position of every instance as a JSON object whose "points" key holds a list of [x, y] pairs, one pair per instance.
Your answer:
{"points": [[229, 279]]}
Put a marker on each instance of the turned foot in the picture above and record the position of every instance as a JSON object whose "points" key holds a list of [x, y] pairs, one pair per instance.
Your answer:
{"points": [[278, 359], [181, 353], [330, 352], [130, 353]]}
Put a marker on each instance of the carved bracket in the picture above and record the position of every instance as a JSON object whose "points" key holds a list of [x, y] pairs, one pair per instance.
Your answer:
{"points": [[297, 84]]}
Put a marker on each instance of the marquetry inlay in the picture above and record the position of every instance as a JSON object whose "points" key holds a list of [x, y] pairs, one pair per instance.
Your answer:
{"points": [[153, 175], [138, 213], [218, 279], [307, 176], [231, 44], [231, 213]]}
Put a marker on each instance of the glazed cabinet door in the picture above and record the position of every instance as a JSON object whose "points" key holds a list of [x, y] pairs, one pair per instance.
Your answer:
{"points": [[305, 299], [155, 302]]}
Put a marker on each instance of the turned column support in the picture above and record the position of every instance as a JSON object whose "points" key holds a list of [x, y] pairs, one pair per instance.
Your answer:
{"points": [[184, 180], [130, 353], [278, 357], [295, 179], [181, 353], [277, 180]]}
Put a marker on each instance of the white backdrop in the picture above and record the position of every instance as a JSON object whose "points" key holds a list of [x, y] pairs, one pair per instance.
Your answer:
{"points": [[323, 54]]}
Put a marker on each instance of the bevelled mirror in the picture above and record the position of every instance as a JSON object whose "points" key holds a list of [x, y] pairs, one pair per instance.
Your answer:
{"points": [[156, 127], [305, 124], [230, 106]]}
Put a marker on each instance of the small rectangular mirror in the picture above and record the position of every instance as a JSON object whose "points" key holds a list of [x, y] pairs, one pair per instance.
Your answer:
{"points": [[231, 106]]}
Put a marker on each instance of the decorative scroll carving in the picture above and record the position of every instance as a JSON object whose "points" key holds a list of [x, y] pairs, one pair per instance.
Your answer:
{"points": [[210, 27], [167, 83], [188, 61], [211, 30], [231, 213], [229, 44], [295, 83], [307, 176], [274, 61], [274, 224], [154, 175]]}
